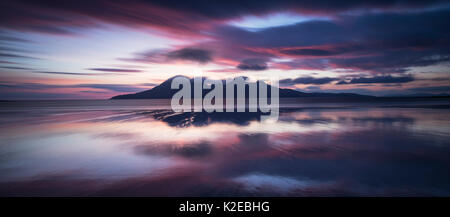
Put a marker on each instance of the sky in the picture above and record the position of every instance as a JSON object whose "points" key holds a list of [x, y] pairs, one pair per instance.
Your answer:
{"points": [[97, 49]]}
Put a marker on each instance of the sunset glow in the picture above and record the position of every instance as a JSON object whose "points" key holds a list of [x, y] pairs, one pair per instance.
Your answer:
{"points": [[100, 49]]}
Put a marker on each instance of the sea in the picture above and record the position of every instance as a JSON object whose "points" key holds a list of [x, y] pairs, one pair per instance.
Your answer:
{"points": [[317, 147]]}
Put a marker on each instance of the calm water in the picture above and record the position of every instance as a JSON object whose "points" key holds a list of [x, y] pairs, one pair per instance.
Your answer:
{"points": [[140, 148]]}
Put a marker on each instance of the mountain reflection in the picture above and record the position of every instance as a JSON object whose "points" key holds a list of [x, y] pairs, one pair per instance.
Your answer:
{"points": [[188, 119]]}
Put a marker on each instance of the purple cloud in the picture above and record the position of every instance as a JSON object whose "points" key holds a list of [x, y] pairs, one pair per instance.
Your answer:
{"points": [[379, 80]]}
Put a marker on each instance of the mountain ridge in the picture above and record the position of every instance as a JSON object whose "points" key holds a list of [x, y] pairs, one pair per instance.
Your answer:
{"points": [[164, 91]]}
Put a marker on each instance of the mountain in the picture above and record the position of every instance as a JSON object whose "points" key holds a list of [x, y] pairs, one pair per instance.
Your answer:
{"points": [[163, 91]]}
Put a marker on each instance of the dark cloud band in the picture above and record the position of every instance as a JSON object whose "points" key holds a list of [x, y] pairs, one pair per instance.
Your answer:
{"points": [[307, 80], [379, 80]]}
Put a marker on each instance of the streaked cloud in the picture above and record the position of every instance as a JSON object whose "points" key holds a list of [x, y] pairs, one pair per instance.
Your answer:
{"points": [[191, 54], [71, 73], [307, 80], [114, 70], [40, 86], [379, 80], [253, 65]]}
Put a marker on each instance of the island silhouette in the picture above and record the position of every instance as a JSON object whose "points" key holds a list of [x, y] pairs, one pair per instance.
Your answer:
{"points": [[164, 91]]}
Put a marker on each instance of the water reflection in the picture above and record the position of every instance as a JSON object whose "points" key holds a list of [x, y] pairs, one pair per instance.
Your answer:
{"points": [[308, 152]]}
